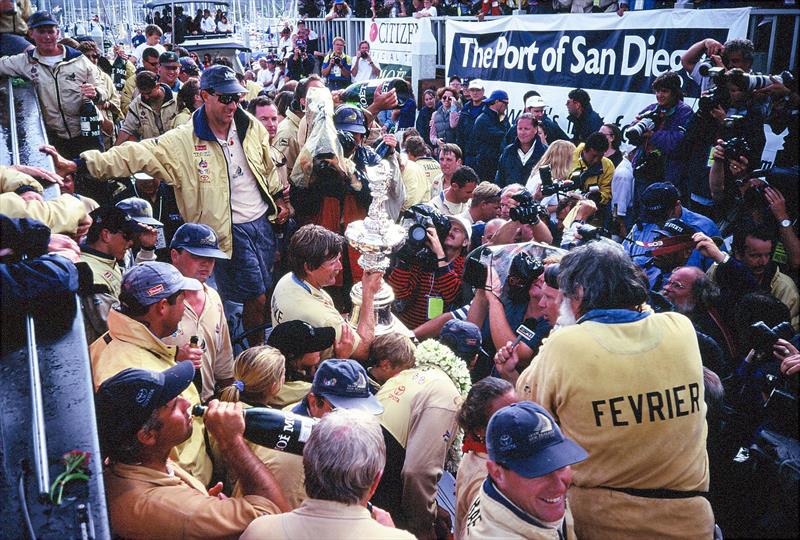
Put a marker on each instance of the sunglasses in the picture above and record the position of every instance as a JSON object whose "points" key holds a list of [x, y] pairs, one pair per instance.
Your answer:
{"points": [[226, 99]]}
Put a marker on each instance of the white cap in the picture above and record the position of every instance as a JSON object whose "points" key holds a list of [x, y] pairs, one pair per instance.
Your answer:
{"points": [[534, 101], [475, 84], [464, 224]]}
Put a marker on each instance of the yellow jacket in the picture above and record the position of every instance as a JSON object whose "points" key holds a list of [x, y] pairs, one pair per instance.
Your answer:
{"points": [[143, 122], [59, 87], [190, 159], [61, 214], [129, 344], [127, 93], [603, 180]]}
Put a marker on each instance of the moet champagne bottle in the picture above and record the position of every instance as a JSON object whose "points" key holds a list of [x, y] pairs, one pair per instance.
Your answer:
{"points": [[90, 119], [384, 149], [363, 93], [279, 430]]}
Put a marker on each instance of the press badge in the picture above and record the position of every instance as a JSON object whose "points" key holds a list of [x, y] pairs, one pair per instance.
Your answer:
{"points": [[435, 306]]}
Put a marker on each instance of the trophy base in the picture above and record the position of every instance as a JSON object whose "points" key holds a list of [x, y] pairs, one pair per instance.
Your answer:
{"points": [[385, 321]]}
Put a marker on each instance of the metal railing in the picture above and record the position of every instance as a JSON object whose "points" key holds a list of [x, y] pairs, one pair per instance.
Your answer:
{"points": [[775, 33]]}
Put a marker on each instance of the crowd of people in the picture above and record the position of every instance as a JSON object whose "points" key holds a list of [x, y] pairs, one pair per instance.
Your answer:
{"points": [[576, 390]]}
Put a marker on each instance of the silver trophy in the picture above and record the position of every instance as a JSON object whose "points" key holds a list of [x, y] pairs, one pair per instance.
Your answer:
{"points": [[376, 237]]}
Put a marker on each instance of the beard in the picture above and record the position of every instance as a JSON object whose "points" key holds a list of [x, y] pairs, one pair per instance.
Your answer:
{"points": [[566, 316]]}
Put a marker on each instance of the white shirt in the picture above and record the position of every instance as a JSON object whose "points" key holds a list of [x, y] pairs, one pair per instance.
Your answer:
{"points": [[247, 204], [208, 25], [364, 70], [429, 12], [446, 207], [266, 78], [138, 51]]}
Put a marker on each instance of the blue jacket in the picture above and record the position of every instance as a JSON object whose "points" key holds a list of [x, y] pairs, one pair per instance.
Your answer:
{"points": [[510, 168], [584, 126], [485, 144], [667, 138]]}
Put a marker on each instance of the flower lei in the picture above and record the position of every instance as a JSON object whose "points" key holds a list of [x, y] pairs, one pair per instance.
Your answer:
{"points": [[76, 468], [432, 353]]}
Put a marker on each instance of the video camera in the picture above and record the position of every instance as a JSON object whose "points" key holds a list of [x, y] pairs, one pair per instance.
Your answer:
{"points": [[718, 95], [635, 133], [548, 186], [735, 146], [416, 220], [529, 212]]}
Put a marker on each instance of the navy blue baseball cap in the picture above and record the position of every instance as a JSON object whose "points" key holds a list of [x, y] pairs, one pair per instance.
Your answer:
{"points": [[198, 239], [524, 437], [497, 95], [152, 281], [41, 18], [344, 384], [189, 66], [220, 79], [139, 210], [657, 200], [349, 118], [168, 57], [112, 218], [125, 401], [463, 337]]}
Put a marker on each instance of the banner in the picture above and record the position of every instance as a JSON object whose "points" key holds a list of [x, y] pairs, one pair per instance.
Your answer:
{"points": [[390, 44], [615, 59]]}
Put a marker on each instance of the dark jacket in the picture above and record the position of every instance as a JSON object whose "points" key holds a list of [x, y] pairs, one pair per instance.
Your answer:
{"points": [[552, 132], [582, 127], [423, 124], [466, 121], [667, 137], [510, 168], [486, 143], [297, 69]]}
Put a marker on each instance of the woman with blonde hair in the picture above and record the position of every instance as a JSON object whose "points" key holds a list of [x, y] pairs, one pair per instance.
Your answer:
{"points": [[258, 374], [559, 157]]}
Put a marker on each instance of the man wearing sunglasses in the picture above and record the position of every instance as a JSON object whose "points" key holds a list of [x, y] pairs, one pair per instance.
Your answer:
{"points": [[109, 237], [224, 177]]}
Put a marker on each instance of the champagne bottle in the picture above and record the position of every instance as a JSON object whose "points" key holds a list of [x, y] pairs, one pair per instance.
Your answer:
{"points": [[90, 119], [194, 341], [273, 428], [363, 93], [119, 71], [384, 149]]}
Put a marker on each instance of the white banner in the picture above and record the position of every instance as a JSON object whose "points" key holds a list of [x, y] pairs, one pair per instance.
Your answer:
{"points": [[613, 58], [390, 44]]}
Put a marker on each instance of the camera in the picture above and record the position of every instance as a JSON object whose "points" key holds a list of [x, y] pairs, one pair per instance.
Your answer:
{"points": [[736, 147], [650, 167], [416, 220], [548, 186], [524, 270], [364, 55], [590, 232], [755, 81], [705, 66], [579, 176], [529, 212], [719, 95], [764, 338], [635, 133], [337, 60]]}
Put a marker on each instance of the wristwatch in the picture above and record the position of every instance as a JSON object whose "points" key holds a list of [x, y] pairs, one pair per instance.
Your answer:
{"points": [[786, 223]]}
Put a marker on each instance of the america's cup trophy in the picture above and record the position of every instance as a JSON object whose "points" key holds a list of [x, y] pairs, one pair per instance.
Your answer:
{"points": [[376, 237]]}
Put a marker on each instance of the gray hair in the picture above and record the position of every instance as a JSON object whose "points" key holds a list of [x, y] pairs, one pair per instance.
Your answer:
{"points": [[343, 455], [602, 276], [705, 291]]}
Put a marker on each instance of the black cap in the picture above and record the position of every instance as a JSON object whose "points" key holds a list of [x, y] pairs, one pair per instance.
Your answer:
{"points": [[112, 218], [657, 200], [296, 338], [168, 57]]}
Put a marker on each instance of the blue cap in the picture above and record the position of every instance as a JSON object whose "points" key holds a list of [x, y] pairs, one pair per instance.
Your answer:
{"points": [[113, 219], [151, 281], [197, 239], [349, 118], [168, 57], [524, 437], [657, 200], [497, 95], [125, 401], [41, 18], [344, 384], [220, 79], [188, 66], [463, 337], [139, 210]]}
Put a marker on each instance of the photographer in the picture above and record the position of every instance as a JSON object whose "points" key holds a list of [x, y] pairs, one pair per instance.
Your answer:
{"points": [[660, 127], [300, 64], [728, 112], [336, 66], [736, 53], [525, 215], [591, 171], [365, 68], [424, 290]]}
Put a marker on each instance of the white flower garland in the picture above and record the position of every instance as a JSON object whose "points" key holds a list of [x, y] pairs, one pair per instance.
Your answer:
{"points": [[432, 353]]}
